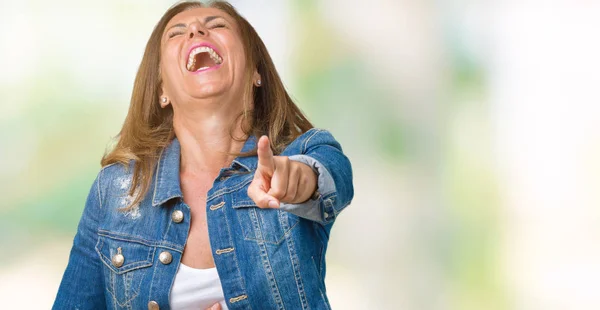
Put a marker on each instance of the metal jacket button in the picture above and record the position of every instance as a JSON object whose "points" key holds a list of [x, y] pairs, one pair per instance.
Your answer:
{"points": [[118, 259], [315, 195], [165, 257], [177, 216], [153, 305]]}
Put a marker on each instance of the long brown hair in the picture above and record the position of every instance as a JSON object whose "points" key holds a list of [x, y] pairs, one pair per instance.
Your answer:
{"points": [[148, 128]]}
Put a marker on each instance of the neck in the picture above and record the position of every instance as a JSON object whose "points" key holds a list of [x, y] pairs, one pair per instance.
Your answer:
{"points": [[205, 139]]}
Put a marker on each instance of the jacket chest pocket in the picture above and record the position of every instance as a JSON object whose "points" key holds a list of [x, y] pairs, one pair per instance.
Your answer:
{"points": [[264, 225], [125, 266]]}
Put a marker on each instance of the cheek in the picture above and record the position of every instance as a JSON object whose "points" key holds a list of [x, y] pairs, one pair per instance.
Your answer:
{"points": [[236, 51], [169, 65], [239, 66], [240, 57]]}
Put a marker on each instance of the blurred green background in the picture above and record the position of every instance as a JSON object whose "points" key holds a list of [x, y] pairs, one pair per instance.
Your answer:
{"points": [[473, 128]]}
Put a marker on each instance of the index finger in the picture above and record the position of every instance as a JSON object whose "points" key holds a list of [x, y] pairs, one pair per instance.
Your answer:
{"points": [[266, 163]]}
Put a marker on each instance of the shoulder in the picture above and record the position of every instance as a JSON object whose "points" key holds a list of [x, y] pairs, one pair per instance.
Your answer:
{"points": [[315, 137], [114, 177]]}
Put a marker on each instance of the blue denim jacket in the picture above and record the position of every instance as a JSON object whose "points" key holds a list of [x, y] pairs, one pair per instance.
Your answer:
{"points": [[265, 258]]}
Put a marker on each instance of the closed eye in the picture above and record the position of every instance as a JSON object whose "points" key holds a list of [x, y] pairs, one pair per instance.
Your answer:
{"points": [[217, 26], [172, 34]]}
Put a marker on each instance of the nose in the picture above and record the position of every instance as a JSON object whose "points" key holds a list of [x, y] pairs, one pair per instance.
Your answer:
{"points": [[196, 29]]}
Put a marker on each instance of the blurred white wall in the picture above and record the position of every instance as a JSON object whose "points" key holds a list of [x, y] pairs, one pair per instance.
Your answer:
{"points": [[544, 81]]}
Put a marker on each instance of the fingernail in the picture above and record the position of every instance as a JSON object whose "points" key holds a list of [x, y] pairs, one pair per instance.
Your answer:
{"points": [[273, 204]]}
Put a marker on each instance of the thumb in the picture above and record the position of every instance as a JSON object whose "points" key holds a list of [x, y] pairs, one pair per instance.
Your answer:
{"points": [[216, 306], [266, 163], [260, 196]]}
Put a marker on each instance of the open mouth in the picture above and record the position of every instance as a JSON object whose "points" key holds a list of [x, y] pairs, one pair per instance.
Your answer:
{"points": [[202, 58]]}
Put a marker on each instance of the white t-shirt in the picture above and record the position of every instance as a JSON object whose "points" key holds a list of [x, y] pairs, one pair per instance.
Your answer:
{"points": [[196, 289]]}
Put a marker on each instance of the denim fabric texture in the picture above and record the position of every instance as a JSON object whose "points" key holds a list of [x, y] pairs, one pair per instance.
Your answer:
{"points": [[265, 258]]}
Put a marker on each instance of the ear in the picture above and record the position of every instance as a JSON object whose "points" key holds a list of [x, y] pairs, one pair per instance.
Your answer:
{"points": [[257, 79], [164, 99]]}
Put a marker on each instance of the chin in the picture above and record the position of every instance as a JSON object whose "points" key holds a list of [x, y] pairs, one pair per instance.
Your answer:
{"points": [[206, 91]]}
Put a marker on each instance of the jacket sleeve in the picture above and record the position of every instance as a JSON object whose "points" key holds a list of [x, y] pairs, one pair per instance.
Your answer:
{"points": [[82, 285], [323, 153]]}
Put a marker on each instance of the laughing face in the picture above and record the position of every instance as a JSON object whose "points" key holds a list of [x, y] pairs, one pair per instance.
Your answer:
{"points": [[202, 56]]}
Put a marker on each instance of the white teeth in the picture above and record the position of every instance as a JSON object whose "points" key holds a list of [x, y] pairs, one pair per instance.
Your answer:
{"points": [[203, 49]]}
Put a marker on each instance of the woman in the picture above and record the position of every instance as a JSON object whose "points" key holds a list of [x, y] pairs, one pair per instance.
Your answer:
{"points": [[192, 208]]}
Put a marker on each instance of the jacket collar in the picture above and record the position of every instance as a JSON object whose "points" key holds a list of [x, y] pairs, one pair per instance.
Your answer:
{"points": [[167, 183]]}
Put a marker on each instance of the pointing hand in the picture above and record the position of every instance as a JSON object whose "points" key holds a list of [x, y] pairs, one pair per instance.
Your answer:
{"points": [[279, 179]]}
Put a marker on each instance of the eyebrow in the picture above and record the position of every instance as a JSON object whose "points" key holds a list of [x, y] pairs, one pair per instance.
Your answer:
{"points": [[206, 20]]}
